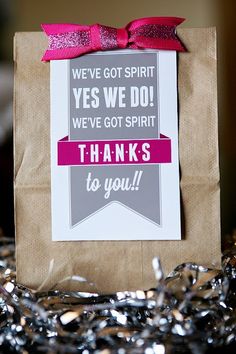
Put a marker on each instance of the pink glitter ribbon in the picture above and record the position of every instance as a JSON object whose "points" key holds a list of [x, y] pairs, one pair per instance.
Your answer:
{"points": [[68, 41]]}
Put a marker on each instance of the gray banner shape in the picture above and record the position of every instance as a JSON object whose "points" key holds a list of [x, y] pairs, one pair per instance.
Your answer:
{"points": [[143, 201], [146, 200]]}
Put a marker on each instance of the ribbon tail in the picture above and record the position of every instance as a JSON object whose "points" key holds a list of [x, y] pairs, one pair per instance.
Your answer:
{"points": [[66, 41], [155, 33]]}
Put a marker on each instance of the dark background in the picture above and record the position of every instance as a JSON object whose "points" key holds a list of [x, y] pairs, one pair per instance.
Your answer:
{"points": [[26, 15]]}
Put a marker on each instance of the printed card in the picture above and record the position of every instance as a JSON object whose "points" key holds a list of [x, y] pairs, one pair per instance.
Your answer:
{"points": [[114, 147]]}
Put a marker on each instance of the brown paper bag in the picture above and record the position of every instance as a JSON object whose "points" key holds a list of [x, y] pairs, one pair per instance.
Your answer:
{"points": [[115, 265]]}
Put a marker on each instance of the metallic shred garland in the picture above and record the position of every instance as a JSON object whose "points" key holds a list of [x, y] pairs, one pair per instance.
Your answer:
{"points": [[193, 310]]}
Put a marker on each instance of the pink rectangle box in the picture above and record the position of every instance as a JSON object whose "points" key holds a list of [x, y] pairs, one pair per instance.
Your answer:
{"points": [[114, 152]]}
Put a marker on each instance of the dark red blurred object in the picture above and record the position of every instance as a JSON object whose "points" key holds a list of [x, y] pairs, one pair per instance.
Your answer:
{"points": [[6, 188]]}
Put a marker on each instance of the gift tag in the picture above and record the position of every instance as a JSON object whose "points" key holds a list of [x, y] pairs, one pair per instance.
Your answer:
{"points": [[114, 147]]}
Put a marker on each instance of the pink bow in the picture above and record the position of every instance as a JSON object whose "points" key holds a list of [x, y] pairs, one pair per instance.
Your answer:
{"points": [[68, 41]]}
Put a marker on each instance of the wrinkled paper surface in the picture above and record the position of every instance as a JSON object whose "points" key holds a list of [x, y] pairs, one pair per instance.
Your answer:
{"points": [[115, 265]]}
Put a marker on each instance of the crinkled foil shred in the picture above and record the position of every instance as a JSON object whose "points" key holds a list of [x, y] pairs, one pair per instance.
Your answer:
{"points": [[190, 311]]}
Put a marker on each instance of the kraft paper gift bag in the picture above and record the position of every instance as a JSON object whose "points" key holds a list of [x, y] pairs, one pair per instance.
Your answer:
{"points": [[115, 265]]}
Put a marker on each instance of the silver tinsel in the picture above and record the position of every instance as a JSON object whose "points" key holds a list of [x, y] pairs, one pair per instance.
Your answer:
{"points": [[193, 310]]}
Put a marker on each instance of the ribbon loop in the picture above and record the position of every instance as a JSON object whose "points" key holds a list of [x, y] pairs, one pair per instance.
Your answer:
{"points": [[68, 41]]}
